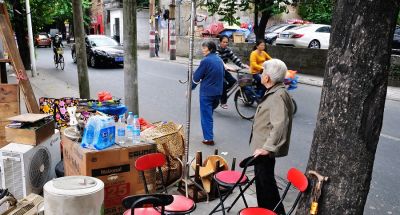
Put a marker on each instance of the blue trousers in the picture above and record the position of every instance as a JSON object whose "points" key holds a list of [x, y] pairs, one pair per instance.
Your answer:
{"points": [[260, 88], [207, 106]]}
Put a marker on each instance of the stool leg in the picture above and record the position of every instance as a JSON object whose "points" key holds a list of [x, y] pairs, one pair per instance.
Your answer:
{"points": [[242, 194], [221, 202]]}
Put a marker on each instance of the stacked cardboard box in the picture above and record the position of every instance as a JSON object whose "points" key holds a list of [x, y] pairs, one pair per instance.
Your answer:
{"points": [[115, 166]]}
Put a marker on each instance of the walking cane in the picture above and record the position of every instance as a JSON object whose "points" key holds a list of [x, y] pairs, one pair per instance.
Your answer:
{"points": [[316, 193]]}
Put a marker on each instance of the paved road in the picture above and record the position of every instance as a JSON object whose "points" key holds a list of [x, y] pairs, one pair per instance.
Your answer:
{"points": [[163, 98]]}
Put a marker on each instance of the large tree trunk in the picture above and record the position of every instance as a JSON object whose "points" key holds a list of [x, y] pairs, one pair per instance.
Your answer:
{"points": [[80, 47], [262, 25], [352, 104], [130, 58], [21, 33]]}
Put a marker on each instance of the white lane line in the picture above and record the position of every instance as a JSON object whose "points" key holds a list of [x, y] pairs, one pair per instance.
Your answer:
{"points": [[390, 137]]}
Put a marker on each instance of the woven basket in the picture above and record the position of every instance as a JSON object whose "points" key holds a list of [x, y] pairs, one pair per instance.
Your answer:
{"points": [[245, 80], [170, 142]]}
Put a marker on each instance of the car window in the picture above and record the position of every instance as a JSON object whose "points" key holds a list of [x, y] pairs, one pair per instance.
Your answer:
{"points": [[103, 41], [290, 27], [323, 30], [274, 28], [42, 37]]}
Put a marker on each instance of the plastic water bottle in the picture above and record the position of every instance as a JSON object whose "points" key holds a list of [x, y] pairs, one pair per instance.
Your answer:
{"points": [[136, 129], [129, 127], [120, 130]]}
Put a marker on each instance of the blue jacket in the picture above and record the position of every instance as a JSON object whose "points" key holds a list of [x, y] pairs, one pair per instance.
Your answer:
{"points": [[211, 75]]}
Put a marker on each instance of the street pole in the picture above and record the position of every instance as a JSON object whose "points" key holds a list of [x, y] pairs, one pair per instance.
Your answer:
{"points": [[80, 47], [130, 57], [172, 37], [30, 35], [152, 44]]}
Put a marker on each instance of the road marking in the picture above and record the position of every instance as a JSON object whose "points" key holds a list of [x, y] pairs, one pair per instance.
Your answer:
{"points": [[390, 137]]}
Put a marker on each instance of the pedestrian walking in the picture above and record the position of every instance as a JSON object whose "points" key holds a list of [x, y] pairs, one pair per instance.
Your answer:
{"points": [[270, 136], [157, 41], [226, 54], [210, 75], [257, 57]]}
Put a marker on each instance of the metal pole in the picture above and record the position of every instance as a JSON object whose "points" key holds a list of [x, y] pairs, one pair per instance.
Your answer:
{"points": [[189, 97], [30, 35]]}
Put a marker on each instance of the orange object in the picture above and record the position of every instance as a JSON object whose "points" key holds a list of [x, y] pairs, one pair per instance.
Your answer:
{"points": [[104, 96], [144, 124], [291, 74]]}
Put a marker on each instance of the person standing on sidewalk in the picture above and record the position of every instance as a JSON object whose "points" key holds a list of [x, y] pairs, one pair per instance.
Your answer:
{"points": [[227, 54], [157, 41], [270, 136], [210, 74]]}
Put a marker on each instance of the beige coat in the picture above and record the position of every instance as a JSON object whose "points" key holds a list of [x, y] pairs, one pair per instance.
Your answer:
{"points": [[273, 122]]}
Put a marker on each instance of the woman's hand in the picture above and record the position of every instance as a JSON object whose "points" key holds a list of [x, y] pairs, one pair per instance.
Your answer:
{"points": [[259, 152]]}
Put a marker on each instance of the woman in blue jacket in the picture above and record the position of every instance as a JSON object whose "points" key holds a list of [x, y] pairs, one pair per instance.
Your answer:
{"points": [[211, 76]]}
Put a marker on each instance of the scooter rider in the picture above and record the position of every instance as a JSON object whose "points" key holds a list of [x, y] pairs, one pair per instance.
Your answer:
{"points": [[226, 54]]}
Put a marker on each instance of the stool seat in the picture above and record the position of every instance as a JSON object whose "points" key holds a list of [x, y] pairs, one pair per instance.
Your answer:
{"points": [[230, 177], [180, 204], [143, 211], [258, 211]]}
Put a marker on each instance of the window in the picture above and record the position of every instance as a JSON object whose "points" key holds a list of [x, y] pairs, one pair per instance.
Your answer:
{"points": [[323, 30]]}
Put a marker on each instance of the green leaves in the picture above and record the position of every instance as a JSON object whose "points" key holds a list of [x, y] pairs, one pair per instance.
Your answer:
{"points": [[317, 11]]}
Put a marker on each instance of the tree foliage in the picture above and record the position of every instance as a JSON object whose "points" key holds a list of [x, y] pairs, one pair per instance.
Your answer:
{"points": [[317, 11]]}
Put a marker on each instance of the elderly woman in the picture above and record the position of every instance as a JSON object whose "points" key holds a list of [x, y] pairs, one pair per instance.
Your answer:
{"points": [[211, 75], [271, 132]]}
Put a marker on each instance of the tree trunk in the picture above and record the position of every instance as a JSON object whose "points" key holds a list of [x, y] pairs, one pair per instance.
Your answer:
{"points": [[352, 104], [80, 47], [260, 35], [21, 34], [130, 58], [255, 27]]}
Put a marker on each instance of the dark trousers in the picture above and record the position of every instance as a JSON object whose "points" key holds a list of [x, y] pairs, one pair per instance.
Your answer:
{"points": [[267, 190], [207, 106], [229, 81], [260, 88]]}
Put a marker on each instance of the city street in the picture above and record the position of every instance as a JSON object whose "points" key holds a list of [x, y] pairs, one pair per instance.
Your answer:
{"points": [[162, 98]]}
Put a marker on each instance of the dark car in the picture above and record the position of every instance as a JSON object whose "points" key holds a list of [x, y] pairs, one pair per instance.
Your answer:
{"points": [[396, 41], [101, 50], [43, 39]]}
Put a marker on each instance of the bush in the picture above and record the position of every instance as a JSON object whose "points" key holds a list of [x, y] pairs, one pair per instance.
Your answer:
{"points": [[317, 11]]}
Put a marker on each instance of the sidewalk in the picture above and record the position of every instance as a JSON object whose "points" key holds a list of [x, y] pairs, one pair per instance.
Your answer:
{"points": [[393, 93]]}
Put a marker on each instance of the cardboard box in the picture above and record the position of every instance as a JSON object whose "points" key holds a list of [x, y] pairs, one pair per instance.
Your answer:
{"points": [[238, 38], [36, 129], [9, 106], [115, 166]]}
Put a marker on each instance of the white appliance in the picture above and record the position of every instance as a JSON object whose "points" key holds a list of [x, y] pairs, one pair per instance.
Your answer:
{"points": [[74, 195], [30, 205], [25, 168]]}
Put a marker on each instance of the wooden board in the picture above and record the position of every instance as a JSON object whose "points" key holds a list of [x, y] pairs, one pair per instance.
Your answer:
{"points": [[5, 61], [7, 36], [9, 93], [28, 117]]}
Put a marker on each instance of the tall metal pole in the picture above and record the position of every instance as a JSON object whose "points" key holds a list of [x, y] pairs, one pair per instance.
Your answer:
{"points": [[152, 44], [30, 35], [172, 32], [189, 96]]}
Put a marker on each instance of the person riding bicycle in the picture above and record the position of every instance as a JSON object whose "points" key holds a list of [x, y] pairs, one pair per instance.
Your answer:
{"points": [[57, 43], [226, 54], [257, 58]]}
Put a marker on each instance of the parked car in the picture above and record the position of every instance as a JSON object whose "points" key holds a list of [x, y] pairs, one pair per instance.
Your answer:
{"points": [[314, 36], [43, 39], [396, 41], [272, 32], [101, 50]]}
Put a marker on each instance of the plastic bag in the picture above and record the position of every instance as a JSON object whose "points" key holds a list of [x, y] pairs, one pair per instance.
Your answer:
{"points": [[99, 133]]}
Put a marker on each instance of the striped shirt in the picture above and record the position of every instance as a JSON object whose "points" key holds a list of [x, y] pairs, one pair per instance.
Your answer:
{"points": [[226, 54]]}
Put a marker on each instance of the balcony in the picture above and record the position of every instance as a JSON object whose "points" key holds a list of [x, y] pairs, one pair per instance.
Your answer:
{"points": [[112, 4]]}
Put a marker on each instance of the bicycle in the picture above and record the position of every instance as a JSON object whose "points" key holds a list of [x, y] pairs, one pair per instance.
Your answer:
{"points": [[246, 97], [60, 62]]}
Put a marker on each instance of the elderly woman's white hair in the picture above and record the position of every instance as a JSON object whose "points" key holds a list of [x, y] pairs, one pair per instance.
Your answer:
{"points": [[275, 69]]}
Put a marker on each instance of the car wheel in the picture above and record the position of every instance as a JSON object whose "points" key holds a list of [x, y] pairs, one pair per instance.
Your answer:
{"points": [[314, 44], [93, 61], [74, 57]]}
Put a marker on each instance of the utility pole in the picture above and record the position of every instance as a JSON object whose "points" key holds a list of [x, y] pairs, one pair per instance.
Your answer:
{"points": [[130, 58], [30, 35], [152, 44], [172, 37], [80, 47]]}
